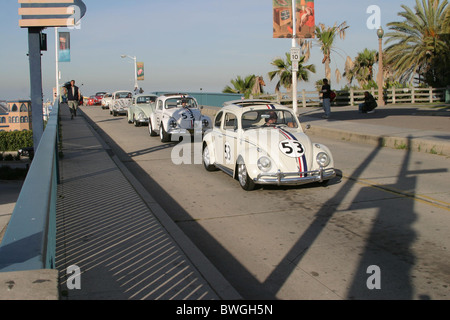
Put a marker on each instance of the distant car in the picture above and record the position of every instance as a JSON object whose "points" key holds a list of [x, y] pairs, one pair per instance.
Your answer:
{"points": [[27, 152], [91, 101], [99, 97], [258, 142], [120, 102], [141, 108], [106, 101], [177, 114]]}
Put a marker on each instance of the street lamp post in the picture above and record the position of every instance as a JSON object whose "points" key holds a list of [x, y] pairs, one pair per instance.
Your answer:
{"points": [[380, 33], [136, 86]]}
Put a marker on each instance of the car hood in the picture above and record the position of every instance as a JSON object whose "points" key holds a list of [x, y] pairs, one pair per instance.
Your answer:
{"points": [[290, 149], [185, 117]]}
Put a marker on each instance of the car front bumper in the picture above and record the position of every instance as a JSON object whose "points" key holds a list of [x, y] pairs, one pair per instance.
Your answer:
{"points": [[180, 131], [295, 178]]}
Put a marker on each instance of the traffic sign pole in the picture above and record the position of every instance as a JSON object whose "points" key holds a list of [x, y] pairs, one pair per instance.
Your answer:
{"points": [[294, 72]]}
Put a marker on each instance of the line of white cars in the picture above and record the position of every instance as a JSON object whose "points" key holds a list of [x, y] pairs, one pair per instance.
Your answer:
{"points": [[256, 142], [167, 115]]}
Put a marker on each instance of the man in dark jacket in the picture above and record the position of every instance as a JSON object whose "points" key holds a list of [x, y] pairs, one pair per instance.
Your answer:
{"points": [[73, 98], [369, 104], [326, 102]]}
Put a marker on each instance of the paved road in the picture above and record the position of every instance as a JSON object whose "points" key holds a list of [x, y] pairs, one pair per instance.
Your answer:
{"points": [[389, 209]]}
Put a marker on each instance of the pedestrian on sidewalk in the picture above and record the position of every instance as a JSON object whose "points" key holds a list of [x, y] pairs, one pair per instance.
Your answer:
{"points": [[326, 101], [73, 98], [369, 104]]}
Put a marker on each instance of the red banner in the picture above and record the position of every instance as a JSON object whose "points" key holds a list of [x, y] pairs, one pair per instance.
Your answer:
{"points": [[282, 18]]}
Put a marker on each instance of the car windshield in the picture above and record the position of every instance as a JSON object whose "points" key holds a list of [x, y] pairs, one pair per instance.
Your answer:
{"points": [[145, 99], [181, 102], [123, 95], [268, 118]]}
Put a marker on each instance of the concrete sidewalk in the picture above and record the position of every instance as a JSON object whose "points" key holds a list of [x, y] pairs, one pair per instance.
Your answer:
{"points": [[124, 244], [420, 128]]}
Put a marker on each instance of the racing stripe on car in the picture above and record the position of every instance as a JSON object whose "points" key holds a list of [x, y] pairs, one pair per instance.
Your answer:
{"points": [[301, 161], [192, 116], [270, 106]]}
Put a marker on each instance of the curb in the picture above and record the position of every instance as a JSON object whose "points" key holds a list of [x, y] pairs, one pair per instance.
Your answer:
{"points": [[413, 144]]}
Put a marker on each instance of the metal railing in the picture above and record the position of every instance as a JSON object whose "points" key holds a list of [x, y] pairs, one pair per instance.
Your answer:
{"points": [[353, 97], [30, 239]]}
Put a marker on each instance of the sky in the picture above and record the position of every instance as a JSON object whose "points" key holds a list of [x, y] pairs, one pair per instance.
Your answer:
{"points": [[190, 46]]}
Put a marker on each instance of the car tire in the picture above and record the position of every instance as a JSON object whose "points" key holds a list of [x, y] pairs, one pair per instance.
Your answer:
{"points": [[206, 159], [165, 137], [152, 132], [244, 180]]}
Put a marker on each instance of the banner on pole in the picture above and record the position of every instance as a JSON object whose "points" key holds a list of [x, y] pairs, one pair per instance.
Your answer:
{"points": [[282, 18], [140, 71], [64, 47]]}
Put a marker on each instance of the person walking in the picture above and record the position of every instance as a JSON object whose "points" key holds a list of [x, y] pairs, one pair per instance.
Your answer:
{"points": [[73, 98], [326, 102]]}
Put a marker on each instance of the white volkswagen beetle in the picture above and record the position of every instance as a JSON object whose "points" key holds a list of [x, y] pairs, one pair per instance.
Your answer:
{"points": [[141, 108], [259, 142], [120, 102], [177, 114]]}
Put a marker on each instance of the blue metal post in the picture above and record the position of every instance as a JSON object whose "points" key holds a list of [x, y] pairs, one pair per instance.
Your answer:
{"points": [[34, 47]]}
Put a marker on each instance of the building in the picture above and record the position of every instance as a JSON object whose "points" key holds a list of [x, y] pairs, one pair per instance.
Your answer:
{"points": [[15, 115]]}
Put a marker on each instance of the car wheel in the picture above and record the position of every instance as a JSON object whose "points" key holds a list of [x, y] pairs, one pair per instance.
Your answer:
{"points": [[206, 159], [165, 137], [244, 180], [152, 132]]}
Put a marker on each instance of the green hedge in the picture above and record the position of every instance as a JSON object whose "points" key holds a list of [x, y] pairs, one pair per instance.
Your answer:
{"points": [[15, 140]]}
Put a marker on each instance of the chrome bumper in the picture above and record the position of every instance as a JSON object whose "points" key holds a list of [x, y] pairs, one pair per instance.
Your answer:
{"points": [[179, 131], [295, 178]]}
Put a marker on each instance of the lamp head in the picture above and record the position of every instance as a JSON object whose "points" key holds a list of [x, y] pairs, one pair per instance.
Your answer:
{"points": [[380, 32]]}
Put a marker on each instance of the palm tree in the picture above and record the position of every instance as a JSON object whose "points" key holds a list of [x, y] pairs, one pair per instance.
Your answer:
{"points": [[240, 85], [325, 37], [419, 42], [284, 71], [362, 67]]}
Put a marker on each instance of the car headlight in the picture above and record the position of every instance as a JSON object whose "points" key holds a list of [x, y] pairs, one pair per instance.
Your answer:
{"points": [[172, 123], [264, 164], [205, 123], [141, 116], [323, 159]]}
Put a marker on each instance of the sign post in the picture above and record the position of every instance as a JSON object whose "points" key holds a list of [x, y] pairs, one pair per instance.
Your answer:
{"points": [[36, 16], [293, 49]]}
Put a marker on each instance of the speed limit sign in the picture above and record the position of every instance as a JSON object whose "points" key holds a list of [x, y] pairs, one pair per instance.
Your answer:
{"points": [[295, 54]]}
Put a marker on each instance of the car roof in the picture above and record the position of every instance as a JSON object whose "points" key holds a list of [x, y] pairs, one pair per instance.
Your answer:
{"points": [[175, 95], [244, 105], [146, 95]]}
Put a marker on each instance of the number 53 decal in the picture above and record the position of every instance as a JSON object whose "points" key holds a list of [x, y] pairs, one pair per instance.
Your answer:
{"points": [[187, 116], [291, 148]]}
